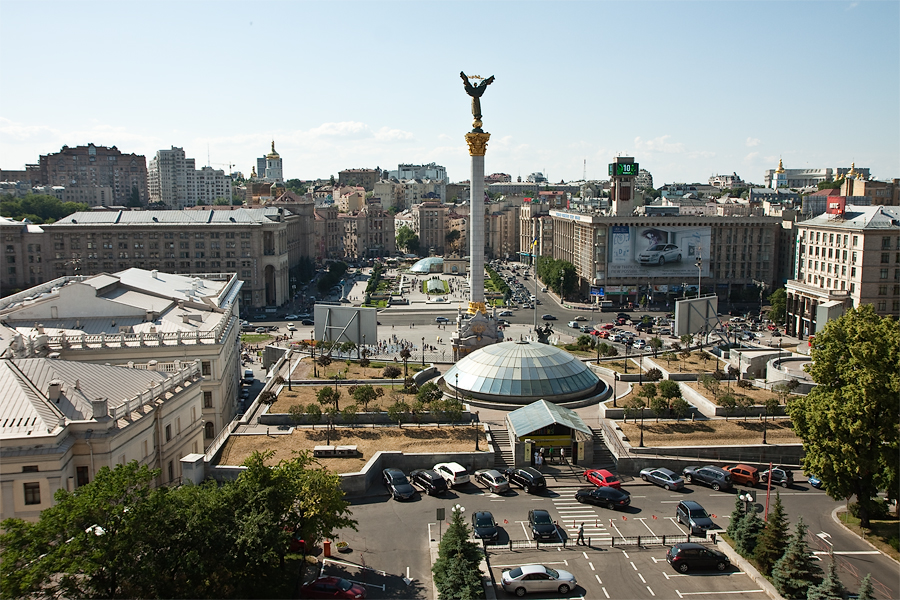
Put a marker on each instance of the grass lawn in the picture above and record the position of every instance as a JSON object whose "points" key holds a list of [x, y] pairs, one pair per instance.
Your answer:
{"points": [[304, 394], [694, 364], [758, 395], [709, 433], [883, 533], [255, 338], [368, 440]]}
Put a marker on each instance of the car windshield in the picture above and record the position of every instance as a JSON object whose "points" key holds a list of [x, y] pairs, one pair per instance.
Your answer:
{"points": [[344, 585], [656, 248], [699, 513], [399, 479], [611, 478], [498, 479], [515, 573], [484, 521], [552, 573], [542, 518]]}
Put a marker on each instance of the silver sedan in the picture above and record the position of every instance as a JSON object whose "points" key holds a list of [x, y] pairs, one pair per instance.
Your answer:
{"points": [[493, 480], [663, 477]]}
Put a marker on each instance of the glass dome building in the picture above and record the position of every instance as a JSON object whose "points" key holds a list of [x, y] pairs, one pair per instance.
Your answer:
{"points": [[431, 264], [521, 373]]}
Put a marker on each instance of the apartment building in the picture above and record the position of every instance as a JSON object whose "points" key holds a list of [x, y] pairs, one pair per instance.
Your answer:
{"points": [[175, 182], [535, 225], [880, 193], [329, 238], [408, 171], [430, 224], [350, 199], [847, 257], [368, 233], [133, 317], [366, 178], [97, 166], [628, 254], [61, 421], [502, 231], [253, 242]]}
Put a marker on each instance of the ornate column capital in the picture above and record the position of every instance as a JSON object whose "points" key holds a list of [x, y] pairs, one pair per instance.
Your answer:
{"points": [[477, 143]]}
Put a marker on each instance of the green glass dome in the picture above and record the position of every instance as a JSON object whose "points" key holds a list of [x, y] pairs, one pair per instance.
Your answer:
{"points": [[522, 372]]}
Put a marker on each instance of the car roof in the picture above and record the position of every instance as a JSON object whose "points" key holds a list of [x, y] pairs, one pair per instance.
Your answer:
{"points": [[691, 504], [392, 471], [527, 569], [453, 466], [483, 513], [668, 472], [689, 546], [538, 511]]}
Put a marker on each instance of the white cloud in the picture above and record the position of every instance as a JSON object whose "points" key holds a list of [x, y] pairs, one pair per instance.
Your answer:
{"points": [[393, 135], [751, 142], [751, 157], [344, 129], [853, 5], [660, 144]]}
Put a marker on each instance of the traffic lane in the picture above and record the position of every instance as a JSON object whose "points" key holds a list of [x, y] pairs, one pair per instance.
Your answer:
{"points": [[623, 573]]}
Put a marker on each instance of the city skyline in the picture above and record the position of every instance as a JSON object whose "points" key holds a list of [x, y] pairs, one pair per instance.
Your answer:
{"points": [[689, 89]]}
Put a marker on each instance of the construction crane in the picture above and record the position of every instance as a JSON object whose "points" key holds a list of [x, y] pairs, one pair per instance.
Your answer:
{"points": [[229, 165]]}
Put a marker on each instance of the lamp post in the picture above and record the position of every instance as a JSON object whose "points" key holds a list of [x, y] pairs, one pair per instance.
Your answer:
{"points": [[627, 346], [457, 386], [562, 296], [312, 353], [747, 498], [699, 271], [615, 387], [423, 350], [641, 370], [642, 427], [474, 421]]}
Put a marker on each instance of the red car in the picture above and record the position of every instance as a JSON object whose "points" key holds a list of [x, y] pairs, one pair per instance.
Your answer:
{"points": [[602, 478], [608, 326], [332, 587]]}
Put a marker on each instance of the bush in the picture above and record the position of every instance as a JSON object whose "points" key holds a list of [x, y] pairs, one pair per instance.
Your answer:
{"points": [[654, 374], [745, 383], [878, 509]]}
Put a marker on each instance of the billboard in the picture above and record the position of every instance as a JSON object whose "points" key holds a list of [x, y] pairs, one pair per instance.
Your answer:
{"points": [[345, 323], [647, 252], [696, 315]]}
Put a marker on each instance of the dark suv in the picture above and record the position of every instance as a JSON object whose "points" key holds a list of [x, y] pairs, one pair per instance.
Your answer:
{"points": [[690, 556], [714, 477], [529, 479], [484, 526], [429, 481], [694, 516], [397, 484]]}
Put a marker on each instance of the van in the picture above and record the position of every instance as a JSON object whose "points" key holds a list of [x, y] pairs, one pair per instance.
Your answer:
{"points": [[606, 305], [249, 378]]}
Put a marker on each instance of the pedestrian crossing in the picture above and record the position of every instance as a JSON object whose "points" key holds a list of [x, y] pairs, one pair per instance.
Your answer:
{"points": [[572, 514]]}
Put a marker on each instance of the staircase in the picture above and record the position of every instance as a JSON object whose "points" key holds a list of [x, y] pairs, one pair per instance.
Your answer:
{"points": [[503, 452], [603, 458]]}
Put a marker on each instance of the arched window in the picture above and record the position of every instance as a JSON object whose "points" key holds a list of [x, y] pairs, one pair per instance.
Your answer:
{"points": [[210, 431]]}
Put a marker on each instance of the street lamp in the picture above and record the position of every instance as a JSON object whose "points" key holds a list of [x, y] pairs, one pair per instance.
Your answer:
{"points": [[642, 427], [457, 386], [627, 346], [699, 271], [747, 498], [423, 350], [615, 387]]}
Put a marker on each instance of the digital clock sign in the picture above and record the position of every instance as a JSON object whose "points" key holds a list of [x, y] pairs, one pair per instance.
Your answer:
{"points": [[623, 169]]}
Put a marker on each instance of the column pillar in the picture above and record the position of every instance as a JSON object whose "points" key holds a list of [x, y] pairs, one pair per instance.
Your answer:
{"points": [[477, 147]]}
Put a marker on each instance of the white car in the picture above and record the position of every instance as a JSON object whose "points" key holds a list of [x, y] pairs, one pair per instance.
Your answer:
{"points": [[290, 327], [537, 578], [453, 473], [639, 344]]}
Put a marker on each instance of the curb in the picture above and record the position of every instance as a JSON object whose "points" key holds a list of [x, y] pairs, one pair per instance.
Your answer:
{"points": [[834, 516], [747, 568]]}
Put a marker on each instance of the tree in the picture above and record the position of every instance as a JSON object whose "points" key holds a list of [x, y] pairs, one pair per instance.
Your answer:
{"points": [[729, 403], [429, 393], [313, 413], [659, 406], [397, 410], [634, 406], [350, 413], [684, 354], [38, 208], [748, 533], [783, 391], [855, 362], [680, 407], [329, 396], [391, 372], [771, 405], [745, 403], [772, 540], [831, 587], [452, 239], [778, 302], [364, 362], [297, 413], [656, 344], [733, 373], [457, 573], [668, 356], [737, 515], [364, 394], [405, 355], [407, 239], [866, 592], [453, 410], [795, 571], [654, 374], [324, 360], [710, 384]]}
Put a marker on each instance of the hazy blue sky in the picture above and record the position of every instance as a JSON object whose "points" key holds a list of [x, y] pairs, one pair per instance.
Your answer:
{"points": [[689, 89]]}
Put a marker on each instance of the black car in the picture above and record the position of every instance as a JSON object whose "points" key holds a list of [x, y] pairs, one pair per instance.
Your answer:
{"points": [[528, 478], [780, 476], [397, 484], [307, 322], [694, 516], [689, 556], [429, 481], [714, 477], [542, 526], [484, 526], [606, 496]]}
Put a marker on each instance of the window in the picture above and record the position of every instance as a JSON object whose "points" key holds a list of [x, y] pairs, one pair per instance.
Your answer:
{"points": [[886, 243], [882, 290], [209, 431], [30, 469], [885, 258], [855, 240], [206, 368], [881, 306], [171, 469], [32, 493], [81, 476], [168, 433], [883, 274]]}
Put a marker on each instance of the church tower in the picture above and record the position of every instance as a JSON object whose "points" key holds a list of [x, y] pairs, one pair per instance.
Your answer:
{"points": [[273, 166], [780, 179]]}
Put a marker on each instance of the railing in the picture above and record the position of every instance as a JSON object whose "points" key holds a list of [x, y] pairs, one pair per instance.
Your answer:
{"points": [[610, 437], [157, 390], [221, 438], [640, 541]]}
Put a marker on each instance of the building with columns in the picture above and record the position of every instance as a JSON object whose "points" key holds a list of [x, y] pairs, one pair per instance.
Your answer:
{"points": [[847, 257]]}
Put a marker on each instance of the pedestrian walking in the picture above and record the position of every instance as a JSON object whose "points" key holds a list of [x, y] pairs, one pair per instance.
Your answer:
{"points": [[581, 535]]}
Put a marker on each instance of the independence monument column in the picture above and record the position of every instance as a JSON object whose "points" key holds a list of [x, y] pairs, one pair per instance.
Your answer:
{"points": [[477, 140]]}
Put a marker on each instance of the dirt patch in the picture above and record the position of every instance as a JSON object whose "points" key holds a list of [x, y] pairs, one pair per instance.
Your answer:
{"points": [[710, 433], [757, 395], [697, 363], [367, 440], [303, 369], [305, 394]]}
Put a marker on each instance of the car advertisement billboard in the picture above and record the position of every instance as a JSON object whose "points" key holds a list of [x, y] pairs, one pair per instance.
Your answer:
{"points": [[648, 252]]}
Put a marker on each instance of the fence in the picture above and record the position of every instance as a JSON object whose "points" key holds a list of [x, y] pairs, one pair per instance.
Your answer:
{"points": [[639, 541], [188, 373]]}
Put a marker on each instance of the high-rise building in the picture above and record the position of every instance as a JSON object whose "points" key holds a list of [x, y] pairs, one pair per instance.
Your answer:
{"points": [[430, 224], [429, 171], [175, 182], [97, 166]]}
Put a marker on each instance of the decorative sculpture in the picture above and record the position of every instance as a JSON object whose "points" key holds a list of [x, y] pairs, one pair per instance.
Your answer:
{"points": [[475, 91]]}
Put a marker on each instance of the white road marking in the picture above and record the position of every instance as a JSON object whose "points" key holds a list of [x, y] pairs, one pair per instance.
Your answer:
{"points": [[632, 566], [625, 553], [605, 593], [641, 519], [683, 594], [583, 553], [598, 579], [644, 581], [617, 530], [824, 537], [669, 501], [677, 524], [501, 500], [651, 591], [668, 575], [845, 552], [591, 565], [561, 562]]}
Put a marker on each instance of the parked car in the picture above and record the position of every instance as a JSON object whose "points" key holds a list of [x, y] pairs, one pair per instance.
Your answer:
{"points": [[397, 484], [542, 526], [611, 498], [780, 476], [694, 516], [453, 473], [493, 480], [602, 478], [441, 320], [664, 478], [548, 317], [744, 474], [429, 481], [536, 578], [686, 557], [505, 313], [262, 330], [332, 587], [528, 478], [484, 526], [307, 322], [291, 317], [639, 344], [714, 477], [815, 482]]}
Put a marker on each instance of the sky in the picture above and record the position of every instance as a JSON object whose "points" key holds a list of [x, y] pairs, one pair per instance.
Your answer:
{"points": [[689, 89]]}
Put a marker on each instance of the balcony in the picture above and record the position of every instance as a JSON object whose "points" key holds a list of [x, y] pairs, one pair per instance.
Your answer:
{"points": [[794, 285]]}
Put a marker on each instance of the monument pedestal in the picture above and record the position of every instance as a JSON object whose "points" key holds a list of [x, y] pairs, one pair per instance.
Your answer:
{"points": [[478, 331]]}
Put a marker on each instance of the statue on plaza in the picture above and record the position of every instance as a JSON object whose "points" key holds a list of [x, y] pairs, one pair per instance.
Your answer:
{"points": [[544, 333], [475, 91]]}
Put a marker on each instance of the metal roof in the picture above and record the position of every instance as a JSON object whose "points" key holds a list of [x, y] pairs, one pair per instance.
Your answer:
{"points": [[247, 216], [858, 217], [540, 414]]}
